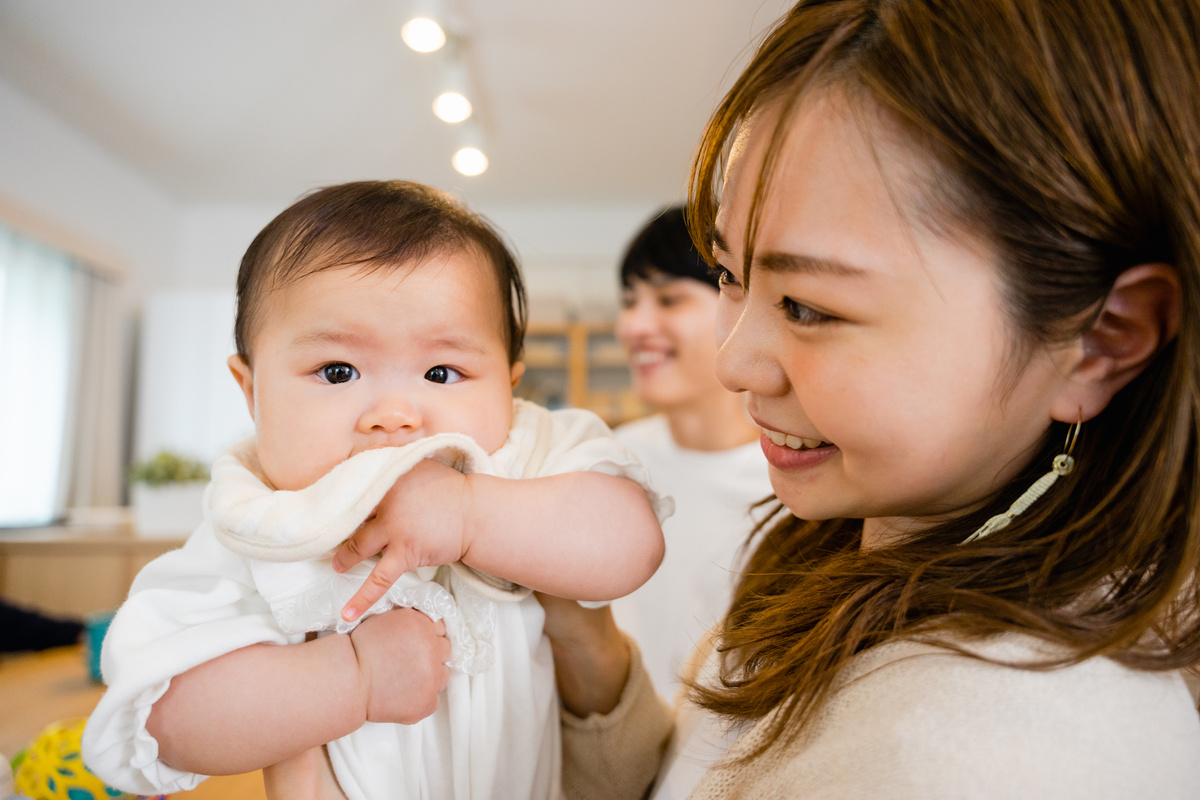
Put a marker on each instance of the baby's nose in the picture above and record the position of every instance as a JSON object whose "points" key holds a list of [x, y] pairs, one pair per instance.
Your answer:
{"points": [[390, 415]]}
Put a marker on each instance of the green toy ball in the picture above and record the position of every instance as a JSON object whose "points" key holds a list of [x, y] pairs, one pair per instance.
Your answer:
{"points": [[52, 767]]}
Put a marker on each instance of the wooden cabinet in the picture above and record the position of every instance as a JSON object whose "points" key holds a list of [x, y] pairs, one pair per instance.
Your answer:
{"points": [[74, 570], [579, 365]]}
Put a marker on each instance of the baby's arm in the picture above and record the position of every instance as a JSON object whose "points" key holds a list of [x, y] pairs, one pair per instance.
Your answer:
{"points": [[266, 703], [578, 535]]}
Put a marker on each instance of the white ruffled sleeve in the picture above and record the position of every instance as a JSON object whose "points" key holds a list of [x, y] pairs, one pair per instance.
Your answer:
{"points": [[576, 440], [186, 607]]}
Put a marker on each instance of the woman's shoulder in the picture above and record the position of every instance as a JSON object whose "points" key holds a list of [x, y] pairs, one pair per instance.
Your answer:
{"points": [[1097, 724], [917, 720]]}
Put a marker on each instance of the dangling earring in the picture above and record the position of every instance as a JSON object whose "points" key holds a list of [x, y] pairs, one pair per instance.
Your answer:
{"points": [[1062, 465]]}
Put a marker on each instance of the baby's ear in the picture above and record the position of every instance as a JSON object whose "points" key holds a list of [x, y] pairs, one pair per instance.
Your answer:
{"points": [[245, 379], [518, 370], [1138, 319]]}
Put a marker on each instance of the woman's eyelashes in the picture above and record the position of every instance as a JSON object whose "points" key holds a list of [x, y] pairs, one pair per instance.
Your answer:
{"points": [[802, 314], [337, 372], [443, 374]]}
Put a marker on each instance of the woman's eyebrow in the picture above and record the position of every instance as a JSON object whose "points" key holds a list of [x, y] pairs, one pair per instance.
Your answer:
{"points": [[794, 262]]}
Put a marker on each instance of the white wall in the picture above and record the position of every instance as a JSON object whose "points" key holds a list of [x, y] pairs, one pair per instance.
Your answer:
{"points": [[169, 252], [60, 175], [570, 253]]}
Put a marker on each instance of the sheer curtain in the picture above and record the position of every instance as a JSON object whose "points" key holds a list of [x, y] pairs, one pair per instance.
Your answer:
{"points": [[57, 348]]}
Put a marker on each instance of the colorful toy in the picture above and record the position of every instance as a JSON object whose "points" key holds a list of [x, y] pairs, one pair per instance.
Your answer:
{"points": [[52, 767]]}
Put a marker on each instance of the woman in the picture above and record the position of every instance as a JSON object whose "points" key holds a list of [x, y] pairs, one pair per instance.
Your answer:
{"points": [[699, 446], [959, 248]]}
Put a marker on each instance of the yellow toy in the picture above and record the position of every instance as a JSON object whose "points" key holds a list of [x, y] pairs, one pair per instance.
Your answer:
{"points": [[53, 769]]}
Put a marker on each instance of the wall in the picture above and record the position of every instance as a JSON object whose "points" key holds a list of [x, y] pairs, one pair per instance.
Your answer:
{"points": [[61, 176], [169, 255]]}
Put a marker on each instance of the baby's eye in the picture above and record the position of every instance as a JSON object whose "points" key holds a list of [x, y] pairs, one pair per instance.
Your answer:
{"points": [[802, 314], [338, 372], [443, 374]]}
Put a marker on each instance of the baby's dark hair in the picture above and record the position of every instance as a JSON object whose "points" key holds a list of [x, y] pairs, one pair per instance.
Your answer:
{"points": [[371, 225], [664, 246]]}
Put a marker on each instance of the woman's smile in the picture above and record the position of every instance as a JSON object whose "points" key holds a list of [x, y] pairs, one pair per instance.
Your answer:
{"points": [[790, 453]]}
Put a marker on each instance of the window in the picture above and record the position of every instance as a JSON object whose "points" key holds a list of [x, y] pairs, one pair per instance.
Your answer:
{"points": [[47, 314]]}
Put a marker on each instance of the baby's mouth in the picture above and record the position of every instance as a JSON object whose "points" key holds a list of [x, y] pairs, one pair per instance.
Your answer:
{"points": [[793, 442]]}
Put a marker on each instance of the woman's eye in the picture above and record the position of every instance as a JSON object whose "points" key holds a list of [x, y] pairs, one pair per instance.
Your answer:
{"points": [[443, 374], [338, 372], [802, 314], [725, 277]]}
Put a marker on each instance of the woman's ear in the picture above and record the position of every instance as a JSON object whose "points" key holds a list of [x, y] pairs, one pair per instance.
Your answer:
{"points": [[1139, 317], [245, 379]]}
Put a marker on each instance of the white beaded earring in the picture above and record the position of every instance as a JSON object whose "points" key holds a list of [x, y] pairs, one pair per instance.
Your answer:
{"points": [[1062, 465]]}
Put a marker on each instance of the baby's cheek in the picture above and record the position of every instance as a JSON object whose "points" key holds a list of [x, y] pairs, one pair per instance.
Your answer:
{"points": [[492, 437], [290, 465]]}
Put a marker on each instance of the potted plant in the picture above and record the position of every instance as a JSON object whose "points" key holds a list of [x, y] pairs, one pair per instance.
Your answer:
{"points": [[168, 494]]}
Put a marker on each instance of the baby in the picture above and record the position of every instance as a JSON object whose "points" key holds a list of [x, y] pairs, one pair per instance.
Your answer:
{"points": [[378, 332]]}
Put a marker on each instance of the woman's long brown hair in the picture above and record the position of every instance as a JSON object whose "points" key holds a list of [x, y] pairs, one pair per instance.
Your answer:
{"points": [[1067, 133]]}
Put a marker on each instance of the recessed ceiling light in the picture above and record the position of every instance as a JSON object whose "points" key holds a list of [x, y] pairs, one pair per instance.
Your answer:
{"points": [[470, 161], [423, 35]]}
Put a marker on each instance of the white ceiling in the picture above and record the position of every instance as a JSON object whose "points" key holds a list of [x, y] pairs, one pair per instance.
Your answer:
{"points": [[256, 101]]}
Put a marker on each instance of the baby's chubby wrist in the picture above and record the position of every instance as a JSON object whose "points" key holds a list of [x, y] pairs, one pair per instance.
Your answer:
{"points": [[472, 510]]}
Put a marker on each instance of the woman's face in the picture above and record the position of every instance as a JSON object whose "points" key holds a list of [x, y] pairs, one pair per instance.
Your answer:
{"points": [[874, 350], [666, 326]]}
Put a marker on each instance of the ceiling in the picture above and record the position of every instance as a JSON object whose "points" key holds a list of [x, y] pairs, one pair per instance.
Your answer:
{"points": [[255, 101]]}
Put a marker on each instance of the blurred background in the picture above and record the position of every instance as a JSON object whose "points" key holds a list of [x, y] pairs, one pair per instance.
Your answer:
{"points": [[143, 144]]}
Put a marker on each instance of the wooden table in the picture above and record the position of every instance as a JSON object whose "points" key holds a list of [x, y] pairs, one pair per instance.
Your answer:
{"points": [[73, 570], [37, 689]]}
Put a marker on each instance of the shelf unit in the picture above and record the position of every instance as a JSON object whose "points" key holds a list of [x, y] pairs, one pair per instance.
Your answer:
{"points": [[579, 365]]}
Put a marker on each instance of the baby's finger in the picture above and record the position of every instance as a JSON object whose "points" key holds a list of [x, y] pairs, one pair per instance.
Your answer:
{"points": [[386, 572], [365, 542]]}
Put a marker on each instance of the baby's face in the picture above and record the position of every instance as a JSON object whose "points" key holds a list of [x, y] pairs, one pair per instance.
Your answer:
{"points": [[347, 361]]}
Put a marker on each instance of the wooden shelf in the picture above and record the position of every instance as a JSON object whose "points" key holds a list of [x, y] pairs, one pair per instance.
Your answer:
{"points": [[578, 365], [74, 570]]}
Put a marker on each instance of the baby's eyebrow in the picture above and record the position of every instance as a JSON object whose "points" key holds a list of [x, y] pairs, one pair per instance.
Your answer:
{"points": [[327, 337], [463, 344]]}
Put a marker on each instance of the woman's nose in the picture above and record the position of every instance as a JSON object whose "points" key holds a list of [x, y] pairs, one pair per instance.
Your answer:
{"points": [[746, 359]]}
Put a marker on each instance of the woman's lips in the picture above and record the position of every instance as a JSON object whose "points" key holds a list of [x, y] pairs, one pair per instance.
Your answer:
{"points": [[805, 454]]}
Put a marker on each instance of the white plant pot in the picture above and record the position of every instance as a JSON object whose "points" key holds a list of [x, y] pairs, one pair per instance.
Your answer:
{"points": [[168, 511]]}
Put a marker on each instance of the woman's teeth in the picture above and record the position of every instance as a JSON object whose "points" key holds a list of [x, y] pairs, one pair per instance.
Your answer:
{"points": [[794, 442]]}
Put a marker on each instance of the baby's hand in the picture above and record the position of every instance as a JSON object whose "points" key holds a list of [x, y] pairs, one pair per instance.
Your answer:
{"points": [[402, 657], [420, 522]]}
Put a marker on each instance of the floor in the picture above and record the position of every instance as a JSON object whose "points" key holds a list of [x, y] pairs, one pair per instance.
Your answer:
{"points": [[37, 689]]}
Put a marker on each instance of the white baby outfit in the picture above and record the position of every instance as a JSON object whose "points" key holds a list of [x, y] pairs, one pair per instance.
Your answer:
{"points": [[258, 570]]}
